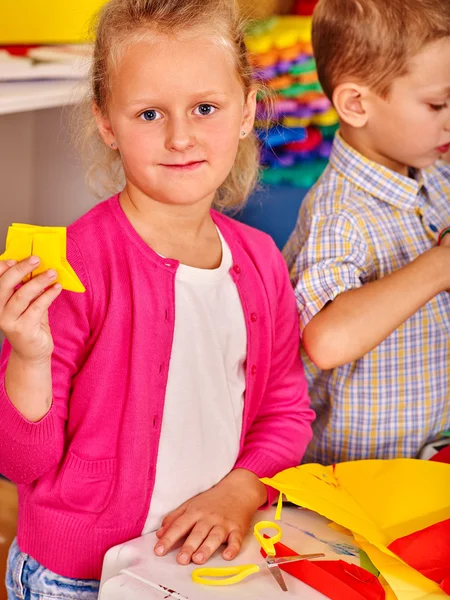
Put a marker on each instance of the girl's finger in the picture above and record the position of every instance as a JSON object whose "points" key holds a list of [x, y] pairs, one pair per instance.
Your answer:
{"points": [[196, 538], [215, 539], [13, 276], [171, 517], [5, 265], [234, 544], [37, 312], [179, 528], [29, 292]]}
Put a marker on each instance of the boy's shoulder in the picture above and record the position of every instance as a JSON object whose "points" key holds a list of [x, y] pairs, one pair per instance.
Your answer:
{"points": [[333, 194]]}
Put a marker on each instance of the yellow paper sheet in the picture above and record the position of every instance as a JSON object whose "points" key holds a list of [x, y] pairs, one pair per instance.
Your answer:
{"points": [[405, 582], [387, 588], [49, 243], [379, 502]]}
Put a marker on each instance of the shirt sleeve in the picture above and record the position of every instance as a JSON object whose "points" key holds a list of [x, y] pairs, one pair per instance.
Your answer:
{"points": [[281, 429], [333, 259], [30, 449]]}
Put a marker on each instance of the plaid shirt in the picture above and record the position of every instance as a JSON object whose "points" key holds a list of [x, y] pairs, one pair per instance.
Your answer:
{"points": [[360, 222]]}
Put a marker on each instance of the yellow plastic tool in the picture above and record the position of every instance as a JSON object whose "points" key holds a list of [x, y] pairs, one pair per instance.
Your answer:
{"points": [[49, 244], [219, 576]]}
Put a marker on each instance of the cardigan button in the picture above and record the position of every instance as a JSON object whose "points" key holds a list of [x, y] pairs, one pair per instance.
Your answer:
{"points": [[254, 317], [254, 370], [237, 269]]}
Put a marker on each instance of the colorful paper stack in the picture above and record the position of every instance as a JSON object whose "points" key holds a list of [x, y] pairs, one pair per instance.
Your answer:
{"points": [[398, 513], [297, 133]]}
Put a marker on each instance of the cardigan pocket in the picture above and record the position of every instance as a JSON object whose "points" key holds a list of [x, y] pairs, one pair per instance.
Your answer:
{"points": [[87, 485]]}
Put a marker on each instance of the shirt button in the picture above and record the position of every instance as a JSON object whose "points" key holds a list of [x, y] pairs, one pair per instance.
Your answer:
{"points": [[433, 228], [254, 370], [237, 269], [254, 317]]}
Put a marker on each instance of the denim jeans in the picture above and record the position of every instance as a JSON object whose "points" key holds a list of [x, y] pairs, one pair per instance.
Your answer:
{"points": [[26, 579]]}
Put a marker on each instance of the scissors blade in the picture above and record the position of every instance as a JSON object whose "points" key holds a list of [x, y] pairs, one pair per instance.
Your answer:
{"points": [[275, 570], [296, 557]]}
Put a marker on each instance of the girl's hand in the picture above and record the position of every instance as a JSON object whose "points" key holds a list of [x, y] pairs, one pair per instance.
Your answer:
{"points": [[218, 516], [24, 312]]}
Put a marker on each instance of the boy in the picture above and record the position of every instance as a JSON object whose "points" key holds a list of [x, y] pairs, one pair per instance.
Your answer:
{"points": [[369, 277]]}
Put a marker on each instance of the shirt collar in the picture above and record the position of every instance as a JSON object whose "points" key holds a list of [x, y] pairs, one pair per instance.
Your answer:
{"points": [[375, 179]]}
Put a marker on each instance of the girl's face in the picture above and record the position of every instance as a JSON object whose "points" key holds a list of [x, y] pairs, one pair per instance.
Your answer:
{"points": [[176, 114]]}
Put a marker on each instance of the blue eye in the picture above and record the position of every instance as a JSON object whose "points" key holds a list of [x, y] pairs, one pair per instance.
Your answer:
{"points": [[205, 109], [149, 115]]}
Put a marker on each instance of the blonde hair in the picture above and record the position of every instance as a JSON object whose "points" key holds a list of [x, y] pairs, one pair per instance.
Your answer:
{"points": [[373, 40], [124, 22]]}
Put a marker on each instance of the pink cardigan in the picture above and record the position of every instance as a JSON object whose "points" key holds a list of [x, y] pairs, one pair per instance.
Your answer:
{"points": [[86, 471]]}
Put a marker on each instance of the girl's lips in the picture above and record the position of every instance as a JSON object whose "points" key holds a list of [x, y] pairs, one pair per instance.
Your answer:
{"points": [[444, 149], [190, 166]]}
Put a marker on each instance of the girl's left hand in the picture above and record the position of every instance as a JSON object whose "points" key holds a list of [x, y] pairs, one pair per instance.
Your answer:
{"points": [[221, 515]]}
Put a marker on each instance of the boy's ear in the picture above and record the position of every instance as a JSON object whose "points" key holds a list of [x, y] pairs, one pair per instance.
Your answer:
{"points": [[350, 101], [104, 126]]}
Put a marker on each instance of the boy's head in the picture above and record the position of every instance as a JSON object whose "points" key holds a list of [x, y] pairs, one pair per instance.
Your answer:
{"points": [[386, 66]]}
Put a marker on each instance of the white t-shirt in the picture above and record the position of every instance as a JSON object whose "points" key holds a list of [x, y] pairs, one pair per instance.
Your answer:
{"points": [[202, 420]]}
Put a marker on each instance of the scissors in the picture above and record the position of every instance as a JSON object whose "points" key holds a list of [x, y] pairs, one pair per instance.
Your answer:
{"points": [[231, 575]]}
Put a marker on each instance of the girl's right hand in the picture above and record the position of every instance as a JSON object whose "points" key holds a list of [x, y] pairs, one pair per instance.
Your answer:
{"points": [[24, 312]]}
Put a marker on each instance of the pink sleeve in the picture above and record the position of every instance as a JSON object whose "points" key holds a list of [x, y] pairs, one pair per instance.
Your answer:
{"points": [[28, 450], [281, 431]]}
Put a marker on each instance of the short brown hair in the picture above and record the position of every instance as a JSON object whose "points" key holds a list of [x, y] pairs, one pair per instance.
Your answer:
{"points": [[373, 40]]}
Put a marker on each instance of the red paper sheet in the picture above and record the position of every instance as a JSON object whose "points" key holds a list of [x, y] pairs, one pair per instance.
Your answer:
{"points": [[428, 551], [442, 456], [334, 578]]}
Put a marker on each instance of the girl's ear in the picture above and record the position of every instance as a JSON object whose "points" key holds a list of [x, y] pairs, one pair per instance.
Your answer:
{"points": [[249, 113], [104, 127]]}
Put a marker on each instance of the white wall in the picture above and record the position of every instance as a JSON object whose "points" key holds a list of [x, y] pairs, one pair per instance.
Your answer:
{"points": [[41, 177]]}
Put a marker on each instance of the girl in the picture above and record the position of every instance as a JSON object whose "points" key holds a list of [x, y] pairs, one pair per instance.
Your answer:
{"points": [[160, 396]]}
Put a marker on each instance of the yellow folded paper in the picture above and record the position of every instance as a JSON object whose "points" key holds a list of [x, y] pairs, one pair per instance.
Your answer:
{"points": [[49, 243], [379, 501], [404, 581]]}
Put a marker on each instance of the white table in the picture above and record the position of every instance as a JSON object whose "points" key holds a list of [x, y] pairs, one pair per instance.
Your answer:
{"points": [[127, 568]]}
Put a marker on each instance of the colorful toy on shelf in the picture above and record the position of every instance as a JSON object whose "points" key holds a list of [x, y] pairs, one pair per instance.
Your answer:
{"points": [[295, 120]]}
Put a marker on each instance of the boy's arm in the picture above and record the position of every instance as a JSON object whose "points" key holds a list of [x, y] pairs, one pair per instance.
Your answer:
{"points": [[345, 310], [358, 320]]}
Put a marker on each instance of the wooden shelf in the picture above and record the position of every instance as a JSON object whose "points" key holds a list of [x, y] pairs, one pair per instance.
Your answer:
{"points": [[16, 97]]}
